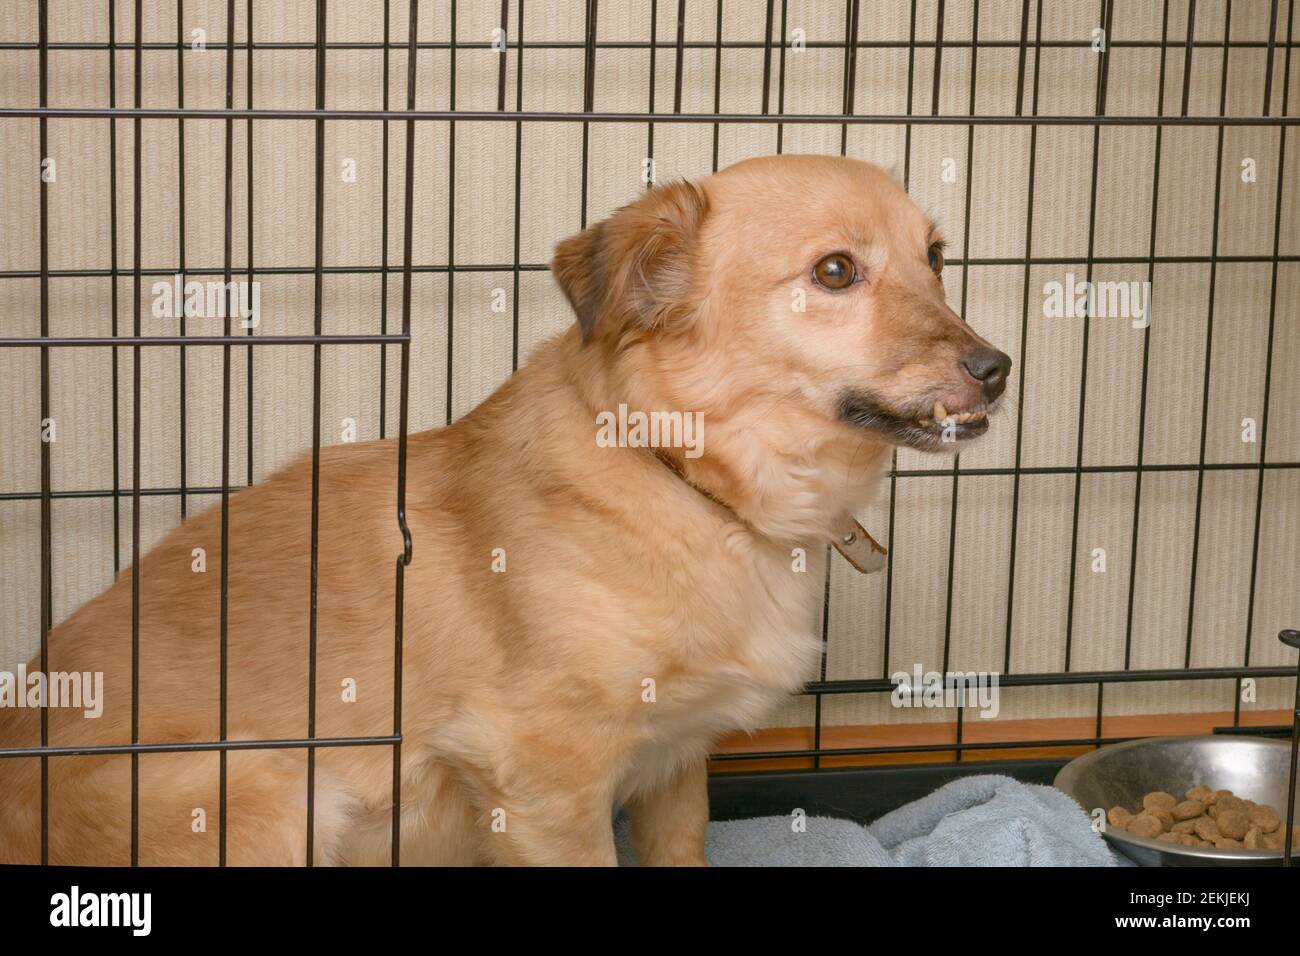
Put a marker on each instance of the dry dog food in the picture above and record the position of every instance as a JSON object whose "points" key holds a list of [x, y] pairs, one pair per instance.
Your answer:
{"points": [[1206, 818]]}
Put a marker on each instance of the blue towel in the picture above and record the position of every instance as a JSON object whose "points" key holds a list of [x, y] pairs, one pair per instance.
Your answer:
{"points": [[990, 820], [984, 820]]}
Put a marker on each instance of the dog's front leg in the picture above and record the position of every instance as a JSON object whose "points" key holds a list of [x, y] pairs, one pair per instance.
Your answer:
{"points": [[562, 834], [556, 823], [668, 822]]}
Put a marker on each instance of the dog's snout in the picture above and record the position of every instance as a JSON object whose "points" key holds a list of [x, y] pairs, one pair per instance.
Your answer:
{"points": [[989, 367]]}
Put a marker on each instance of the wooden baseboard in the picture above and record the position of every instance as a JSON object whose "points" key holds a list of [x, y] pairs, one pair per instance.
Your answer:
{"points": [[973, 732]]}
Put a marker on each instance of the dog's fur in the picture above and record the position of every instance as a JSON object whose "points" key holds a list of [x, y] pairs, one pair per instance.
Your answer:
{"points": [[525, 700]]}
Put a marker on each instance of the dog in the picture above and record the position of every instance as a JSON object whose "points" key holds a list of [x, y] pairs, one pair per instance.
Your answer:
{"points": [[582, 619]]}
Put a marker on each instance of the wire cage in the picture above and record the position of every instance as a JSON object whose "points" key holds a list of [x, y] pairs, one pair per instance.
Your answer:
{"points": [[683, 45]]}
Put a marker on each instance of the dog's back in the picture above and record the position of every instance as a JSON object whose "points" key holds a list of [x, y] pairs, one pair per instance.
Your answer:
{"points": [[179, 667], [464, 484]]}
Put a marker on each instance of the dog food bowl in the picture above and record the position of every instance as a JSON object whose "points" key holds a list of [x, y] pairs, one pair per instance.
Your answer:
{"points": [[1253, 768]]}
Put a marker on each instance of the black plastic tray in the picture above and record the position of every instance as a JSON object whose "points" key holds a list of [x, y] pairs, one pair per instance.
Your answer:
{"points": [[856, 793]]}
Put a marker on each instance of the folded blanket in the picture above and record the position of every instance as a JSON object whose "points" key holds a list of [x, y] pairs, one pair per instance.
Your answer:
{"points": [[991, 820], [984, 820]]}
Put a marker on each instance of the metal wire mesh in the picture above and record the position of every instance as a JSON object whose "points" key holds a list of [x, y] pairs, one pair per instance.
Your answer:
{"points": [[669, 55]]}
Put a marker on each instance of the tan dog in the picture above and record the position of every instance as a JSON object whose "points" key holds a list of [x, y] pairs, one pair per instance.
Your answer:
{"points": [[794, 303]]}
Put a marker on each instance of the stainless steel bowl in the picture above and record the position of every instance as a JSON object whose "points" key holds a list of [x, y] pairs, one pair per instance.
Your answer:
{"points": [[1253, 768]]}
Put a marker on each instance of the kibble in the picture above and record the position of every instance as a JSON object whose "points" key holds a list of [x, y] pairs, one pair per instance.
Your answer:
{"points": [[1206, 828], [1266, 818], [1206, 818], [1232, 823], [1276, 839], [1144, 824], [1159, 800], [1229, 802]]}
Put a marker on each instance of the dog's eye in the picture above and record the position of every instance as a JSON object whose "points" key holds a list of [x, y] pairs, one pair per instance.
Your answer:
{"points": [[835, 272], [936, 258]]}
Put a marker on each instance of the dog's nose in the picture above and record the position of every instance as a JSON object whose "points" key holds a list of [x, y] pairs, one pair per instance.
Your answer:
{"points": [[989, 367]]}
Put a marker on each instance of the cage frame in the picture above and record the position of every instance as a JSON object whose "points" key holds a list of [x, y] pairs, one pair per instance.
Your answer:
{"points": [[773, 50]]}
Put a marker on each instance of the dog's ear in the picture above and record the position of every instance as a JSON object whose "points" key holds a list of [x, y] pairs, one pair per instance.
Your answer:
{"points": [[635, 266]]}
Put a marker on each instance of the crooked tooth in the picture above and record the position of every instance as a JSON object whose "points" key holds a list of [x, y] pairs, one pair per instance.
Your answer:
{"points": [[940, 413]]}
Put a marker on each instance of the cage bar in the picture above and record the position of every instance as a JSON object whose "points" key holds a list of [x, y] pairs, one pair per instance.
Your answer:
{"points": [[542, 266], [136, 203], [248, 134], [404, 558], [593, 116], [113, 290], [223, 716], [1146, 333], [1024, 303], [1209, 337], [165, 46], [181, 402], [1107, 14], [1268, 352], [965, 287], [47, 578], [519, 172], [451, 211], [383, 239], [850, 33], [893, 457], [318, 293]]}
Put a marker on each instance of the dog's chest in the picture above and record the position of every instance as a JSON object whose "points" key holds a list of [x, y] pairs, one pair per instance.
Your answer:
{"points": [[748, 636]]}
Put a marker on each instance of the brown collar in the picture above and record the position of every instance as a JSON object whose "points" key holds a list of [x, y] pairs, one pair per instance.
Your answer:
{"points": [[850, 539], [671, 463]]}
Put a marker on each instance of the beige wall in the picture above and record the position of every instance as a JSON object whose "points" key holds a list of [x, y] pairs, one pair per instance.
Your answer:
{"points": [[1046, 390]]}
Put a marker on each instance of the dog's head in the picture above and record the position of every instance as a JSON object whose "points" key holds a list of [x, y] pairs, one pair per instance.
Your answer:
{"points": [[798, 299]]}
